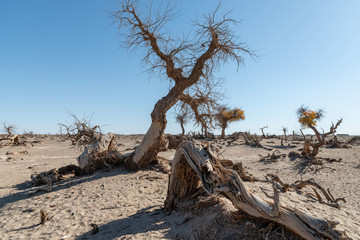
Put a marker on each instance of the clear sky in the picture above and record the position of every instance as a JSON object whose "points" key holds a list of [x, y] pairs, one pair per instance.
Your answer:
{"points": [[64, 56]]}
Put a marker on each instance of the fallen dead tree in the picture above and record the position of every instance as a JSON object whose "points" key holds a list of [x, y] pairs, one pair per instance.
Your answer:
{"points": [[13, 139], [254, 141], [335, 143], [195, 166], [99, 155], [270, 158], [54, 175], [81, 132], [330, 200]]}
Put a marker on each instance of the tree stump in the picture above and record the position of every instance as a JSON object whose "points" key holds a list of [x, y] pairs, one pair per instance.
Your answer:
{"points": [[195, 163], [99, 155]]}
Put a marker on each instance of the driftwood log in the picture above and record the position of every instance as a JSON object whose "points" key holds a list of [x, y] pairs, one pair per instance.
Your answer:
{"points": [[195, 166]]}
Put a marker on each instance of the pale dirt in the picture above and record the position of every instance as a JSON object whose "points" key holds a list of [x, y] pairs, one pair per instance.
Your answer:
{"points": [[128, 205]]}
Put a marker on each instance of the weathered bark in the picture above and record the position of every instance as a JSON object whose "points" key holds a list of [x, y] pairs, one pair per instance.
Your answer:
{"points": [[143, 31], [302, 133], [255, 143], [216, 179], [15, 139], [182, 128], [100, 154], [306, 149], [54, 175], [155, 136], [222, 133]]}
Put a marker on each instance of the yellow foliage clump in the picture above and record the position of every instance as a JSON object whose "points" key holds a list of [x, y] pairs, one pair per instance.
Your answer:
{"points": [[235, 114], [309, 118]]}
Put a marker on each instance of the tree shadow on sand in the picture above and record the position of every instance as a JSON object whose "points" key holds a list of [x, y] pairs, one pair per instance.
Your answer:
{"points": [[209, 223], [26, 190], [146, 220]]}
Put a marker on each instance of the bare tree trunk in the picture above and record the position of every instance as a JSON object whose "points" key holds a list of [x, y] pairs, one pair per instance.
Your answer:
{"points": [[262, 131], [144, 32], [285, 134], [182, 128], [303, 135], [222, 133], [194, 163], [154, 138]]}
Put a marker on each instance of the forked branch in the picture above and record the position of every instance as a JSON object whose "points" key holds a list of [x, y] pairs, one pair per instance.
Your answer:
{"points": [[216, 179]]}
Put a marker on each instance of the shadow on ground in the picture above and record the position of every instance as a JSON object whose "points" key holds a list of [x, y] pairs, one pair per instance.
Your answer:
{"points": [[26, 190]]}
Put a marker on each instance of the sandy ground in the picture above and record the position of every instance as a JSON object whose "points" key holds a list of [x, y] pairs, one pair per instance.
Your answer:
{"points": [[128, 205]]}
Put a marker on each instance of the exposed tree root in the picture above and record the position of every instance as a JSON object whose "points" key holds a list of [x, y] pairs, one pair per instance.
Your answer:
{"points": [[330, 200], [194, 163]]}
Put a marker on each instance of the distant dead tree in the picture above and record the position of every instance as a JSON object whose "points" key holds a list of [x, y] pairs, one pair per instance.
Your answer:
{"points": [[182, 118], [308, 119], [285, 131], [81, 131], [226, 116], [183, 62], [302, 133], [262, 131], [202, 101], [9, 130]]}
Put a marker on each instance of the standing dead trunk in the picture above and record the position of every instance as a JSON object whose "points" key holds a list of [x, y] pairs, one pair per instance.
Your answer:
{"points": [[303, 135], [222, 133], [306, 149], [154, 138], [182, 128], [262, 131], [285, 136], [143, 31]]}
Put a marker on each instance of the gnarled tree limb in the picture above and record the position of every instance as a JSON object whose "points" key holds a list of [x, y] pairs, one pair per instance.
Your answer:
{"points": [[193, 161]]}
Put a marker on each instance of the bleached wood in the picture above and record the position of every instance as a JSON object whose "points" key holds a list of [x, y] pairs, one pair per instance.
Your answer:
{"points": [[216, 179]]}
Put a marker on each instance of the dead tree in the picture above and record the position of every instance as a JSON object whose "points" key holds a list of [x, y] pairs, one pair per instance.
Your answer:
{"points": [[81, 131], [202, 101], [253, 141], [183, 62], [262, 131], [285, 131], [297, 185], [182, 118], [304, 137], [13, 138], [195, 166], [308, 119]]}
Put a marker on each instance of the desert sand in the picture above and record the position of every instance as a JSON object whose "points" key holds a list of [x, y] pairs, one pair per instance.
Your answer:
{"points": [[129, 205]]}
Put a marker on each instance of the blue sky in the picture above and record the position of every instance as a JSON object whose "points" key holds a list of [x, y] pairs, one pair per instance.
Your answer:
{"points": [[64, 56]]}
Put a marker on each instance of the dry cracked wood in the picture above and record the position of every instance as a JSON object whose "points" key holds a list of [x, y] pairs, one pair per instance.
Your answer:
{"points": [[193, 161]]}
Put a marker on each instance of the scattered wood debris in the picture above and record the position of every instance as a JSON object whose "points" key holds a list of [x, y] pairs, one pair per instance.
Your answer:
{"points": [[44, 216], [297, 185], [270, 158], [95, 229]]}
